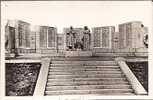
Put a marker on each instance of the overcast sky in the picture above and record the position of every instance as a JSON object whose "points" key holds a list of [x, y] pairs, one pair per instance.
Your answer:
{"points": [[77, 13]]}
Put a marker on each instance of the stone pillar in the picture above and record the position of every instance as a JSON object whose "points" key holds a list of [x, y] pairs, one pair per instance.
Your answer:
{"points": [[96, 37], [37, 38], [115, 40], [65, 46], [65, 38], [92, 41], [131, 35]]}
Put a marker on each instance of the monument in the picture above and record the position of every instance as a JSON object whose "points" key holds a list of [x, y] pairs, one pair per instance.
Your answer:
{"points": [[86, 39], [78, 41], [20, 39]]}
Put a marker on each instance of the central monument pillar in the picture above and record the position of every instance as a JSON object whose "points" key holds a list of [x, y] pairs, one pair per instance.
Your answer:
{"points": [[77, 41]]}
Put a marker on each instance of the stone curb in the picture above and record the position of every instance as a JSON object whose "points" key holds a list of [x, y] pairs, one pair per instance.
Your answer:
{"points": [[136, 85], [42, 77]]}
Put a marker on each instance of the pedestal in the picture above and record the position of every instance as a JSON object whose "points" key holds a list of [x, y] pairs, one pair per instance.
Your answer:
{"points": [[77, 53]]}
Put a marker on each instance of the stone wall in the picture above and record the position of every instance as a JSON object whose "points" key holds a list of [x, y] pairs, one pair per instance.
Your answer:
{"points": [[60, 42], [44, 39], [33, 40], [47, 39], [115, 40], [131, 35], [103, 37]]}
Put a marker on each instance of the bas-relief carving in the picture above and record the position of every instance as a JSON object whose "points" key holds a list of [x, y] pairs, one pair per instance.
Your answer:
{"points": [[78, 41]]}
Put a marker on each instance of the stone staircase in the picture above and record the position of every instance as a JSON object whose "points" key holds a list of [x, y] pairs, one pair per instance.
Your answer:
{"points": [[86, 77]]}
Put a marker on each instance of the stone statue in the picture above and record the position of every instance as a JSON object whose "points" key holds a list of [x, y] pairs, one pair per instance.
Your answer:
{"points": [[71, 39], [86, 38], [145, 40], [73, 33], [78, 44]]}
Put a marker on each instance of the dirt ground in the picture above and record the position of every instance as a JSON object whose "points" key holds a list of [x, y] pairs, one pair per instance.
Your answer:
{"points": [[21, 78], [140, 70]]}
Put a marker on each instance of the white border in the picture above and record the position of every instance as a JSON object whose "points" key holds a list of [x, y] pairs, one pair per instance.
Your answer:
{"points": [[2, 75]]}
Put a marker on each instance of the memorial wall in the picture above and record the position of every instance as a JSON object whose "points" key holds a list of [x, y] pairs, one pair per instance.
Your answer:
{"points": [[103, 37], [18, 36], [60, 42], [45, 39], [131, 35]]}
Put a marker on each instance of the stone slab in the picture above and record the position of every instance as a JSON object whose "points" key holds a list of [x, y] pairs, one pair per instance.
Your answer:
{"points": [[78, 53]]}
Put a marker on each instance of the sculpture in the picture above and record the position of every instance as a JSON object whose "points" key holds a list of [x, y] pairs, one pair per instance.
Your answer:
{"points": [[78, 42], [86, 38], [145, 40], [71, 39]]}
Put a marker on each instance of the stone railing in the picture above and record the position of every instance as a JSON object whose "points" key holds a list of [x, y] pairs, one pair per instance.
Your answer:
{"points": [[136, 85], [42, 78]]}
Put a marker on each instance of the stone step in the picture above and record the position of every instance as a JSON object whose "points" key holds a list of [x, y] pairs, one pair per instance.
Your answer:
{"points": [[87, 79], [94, 91], [68, 76], [84, 72], [82, 58], [87, 76], [77, 83], [83, 87], [94, 64], [85, 68], [85, 62], [80, 69], [77, 70], [89, 87], [78, 53], [82, 66]]}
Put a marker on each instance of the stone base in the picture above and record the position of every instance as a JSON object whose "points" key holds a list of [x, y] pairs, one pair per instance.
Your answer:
{"points": [[78, 53], [121, 54], [9, 55]]}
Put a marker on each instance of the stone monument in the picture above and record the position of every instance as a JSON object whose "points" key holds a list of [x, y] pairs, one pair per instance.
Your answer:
{"points": [[86, 39]]}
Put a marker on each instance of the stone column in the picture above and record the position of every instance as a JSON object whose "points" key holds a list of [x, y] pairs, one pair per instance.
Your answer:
{"points": [[37, 38]]}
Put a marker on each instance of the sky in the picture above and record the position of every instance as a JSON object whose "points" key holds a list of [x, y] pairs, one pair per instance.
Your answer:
{"points": [[62, 14]]}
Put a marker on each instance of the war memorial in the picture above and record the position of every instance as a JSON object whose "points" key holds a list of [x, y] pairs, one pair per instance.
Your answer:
{"points": [[80, 61]]}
